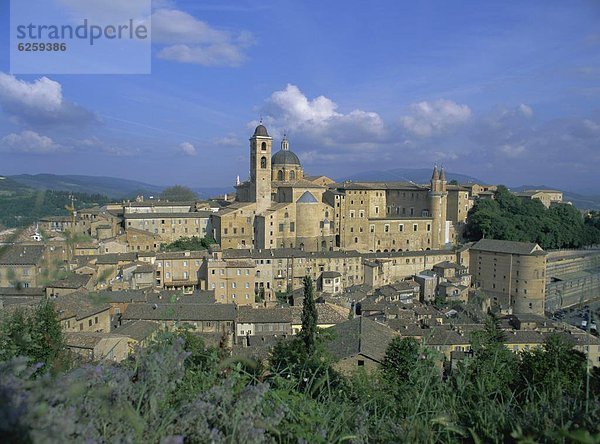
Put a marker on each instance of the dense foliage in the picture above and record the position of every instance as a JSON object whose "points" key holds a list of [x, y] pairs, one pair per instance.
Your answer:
{"points": [[34, 334], [178, 193], [308, 333], [193, 243], [178, 390], [508, 217], [25, 207]]}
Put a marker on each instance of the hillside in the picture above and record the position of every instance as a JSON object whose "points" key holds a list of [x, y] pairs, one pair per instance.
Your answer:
{"points": [[417, 175], [112, 187], [21, 205], [11, 188]]}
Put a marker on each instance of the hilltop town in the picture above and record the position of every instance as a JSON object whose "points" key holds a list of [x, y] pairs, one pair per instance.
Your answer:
{"points": [[387, 259]]}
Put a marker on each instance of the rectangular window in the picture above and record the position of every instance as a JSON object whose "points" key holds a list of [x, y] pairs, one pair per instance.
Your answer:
{"points": [[401, 228], [292, 227], [415, 227]]}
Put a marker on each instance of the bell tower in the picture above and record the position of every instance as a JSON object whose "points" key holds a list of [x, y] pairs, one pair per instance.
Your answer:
{"points": [[260, 168]]}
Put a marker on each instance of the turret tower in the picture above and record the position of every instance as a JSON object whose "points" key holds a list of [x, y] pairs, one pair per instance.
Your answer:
{"points": [[438, 201]]}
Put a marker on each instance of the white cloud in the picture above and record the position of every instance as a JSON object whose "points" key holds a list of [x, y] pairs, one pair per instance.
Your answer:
{"points": [[228, 140], [429, 118], [39, 102], [526, 110], [29, 142], [514, 150], [188, 149], [43, 93], [191, 40], [318, 118]]}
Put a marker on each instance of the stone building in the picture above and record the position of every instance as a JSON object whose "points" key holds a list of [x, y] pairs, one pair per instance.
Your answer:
{"points": [[359, 343], [79, 312], [279, 206], [169, 226], [283, 270], [200, 318], [512, 274], [233, 281], [547, 197], [21, 265], [179, 270]]}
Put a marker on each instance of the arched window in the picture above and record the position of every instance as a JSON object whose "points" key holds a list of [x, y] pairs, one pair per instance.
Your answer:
{"points": [[280, 175], [326, 213], [263, 146], [323, 245], [302, 246], [292, 175], [263, 162]]}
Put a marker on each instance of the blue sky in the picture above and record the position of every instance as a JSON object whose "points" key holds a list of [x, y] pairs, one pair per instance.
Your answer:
{"points": [[508, 92]]}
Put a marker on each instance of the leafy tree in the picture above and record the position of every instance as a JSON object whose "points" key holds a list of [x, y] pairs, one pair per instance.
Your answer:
{"points": [[309, 317], [557, 365], [401, 358], [36, 335], [193, 243], [507, 217], [178, 193], [494, 367]]}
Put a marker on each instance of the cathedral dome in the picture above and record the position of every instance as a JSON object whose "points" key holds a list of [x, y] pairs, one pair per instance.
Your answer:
{"points": [[261, 130], [285, 157]]}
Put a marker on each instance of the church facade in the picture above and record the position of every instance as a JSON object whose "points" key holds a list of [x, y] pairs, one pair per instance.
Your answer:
{"points": [[279, 206]]}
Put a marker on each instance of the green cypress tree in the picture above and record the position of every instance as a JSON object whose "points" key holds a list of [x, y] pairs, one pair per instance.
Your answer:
{"points": [[309, 317]]}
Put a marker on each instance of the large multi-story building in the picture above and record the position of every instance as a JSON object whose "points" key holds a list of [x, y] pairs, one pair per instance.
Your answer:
{"points": [[170, 226], [281, 207], [512, 274], [573, 277]]}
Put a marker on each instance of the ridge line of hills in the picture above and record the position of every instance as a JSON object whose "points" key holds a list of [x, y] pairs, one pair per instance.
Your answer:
{"points": [[119, 188]]}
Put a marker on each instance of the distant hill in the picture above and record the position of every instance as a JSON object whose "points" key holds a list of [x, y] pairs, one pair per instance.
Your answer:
{"points": [[109, 186], [417, 175], [206, 192], [21, 205], [113, 187], [12, 188]]}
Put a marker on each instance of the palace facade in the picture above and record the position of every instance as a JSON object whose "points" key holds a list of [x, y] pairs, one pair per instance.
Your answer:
{"points": [[279, 206]]}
